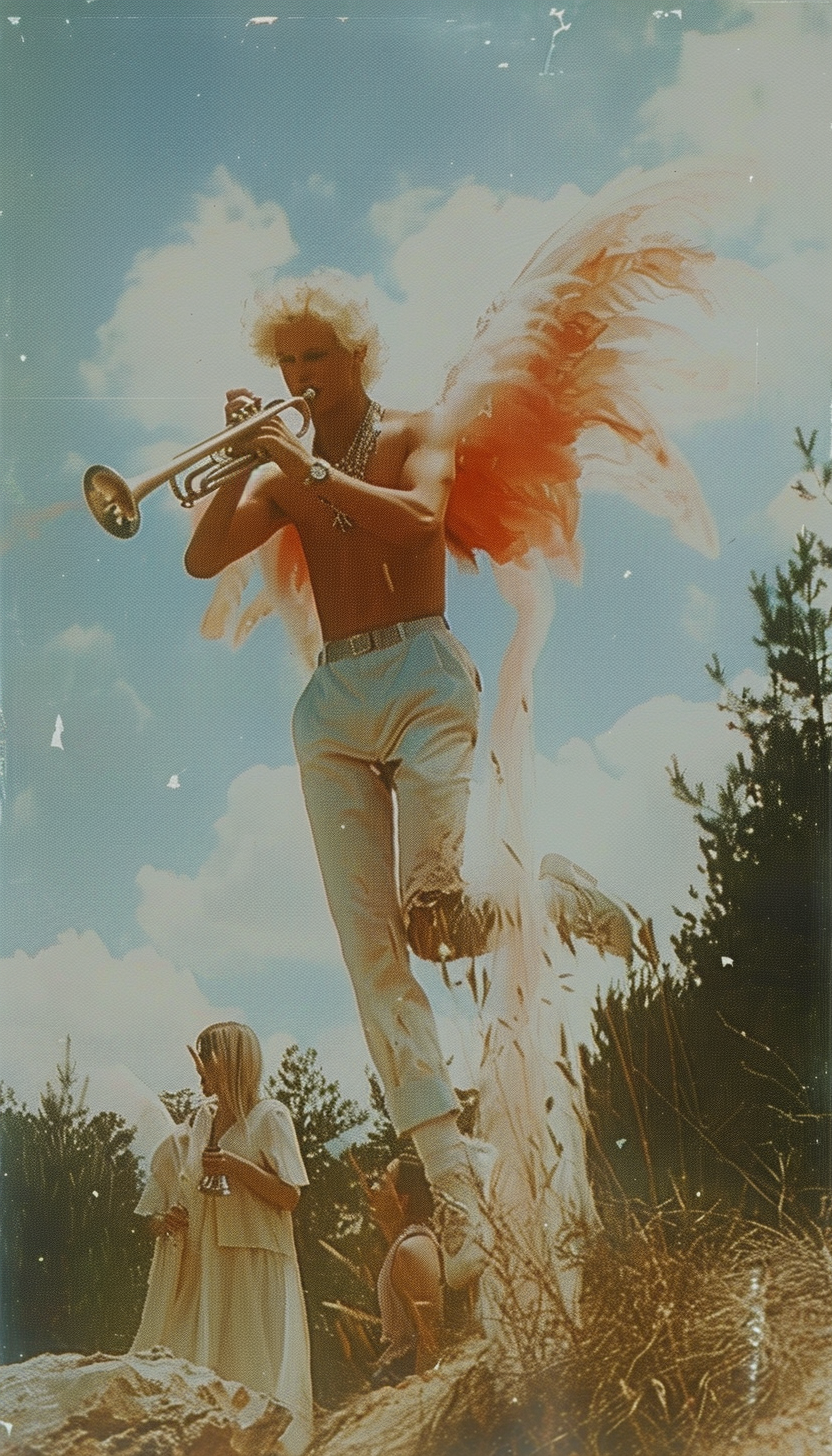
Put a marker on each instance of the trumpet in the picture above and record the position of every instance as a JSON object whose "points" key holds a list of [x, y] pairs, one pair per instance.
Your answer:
{"points": [[114, 501]]}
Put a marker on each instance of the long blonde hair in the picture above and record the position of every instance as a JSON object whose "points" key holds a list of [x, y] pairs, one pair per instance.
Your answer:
{"points": [[236, 1055]]}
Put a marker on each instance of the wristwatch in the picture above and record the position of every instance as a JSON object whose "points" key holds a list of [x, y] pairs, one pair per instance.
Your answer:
{"points": [[318, 473]]}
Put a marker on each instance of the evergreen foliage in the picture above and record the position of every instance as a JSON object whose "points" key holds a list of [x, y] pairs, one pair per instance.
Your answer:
{"points": [[337, 1242], [709, 1083], [181, 1104], [74, 1257], [717, 1084]]}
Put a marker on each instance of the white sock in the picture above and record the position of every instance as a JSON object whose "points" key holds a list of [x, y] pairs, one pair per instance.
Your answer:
{"points": [[440, 1146]]}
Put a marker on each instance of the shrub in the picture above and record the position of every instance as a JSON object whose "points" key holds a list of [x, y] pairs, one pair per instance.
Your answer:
{"points": [[74, 1257]]}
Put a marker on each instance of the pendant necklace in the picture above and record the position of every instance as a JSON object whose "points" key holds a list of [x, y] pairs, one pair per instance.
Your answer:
{"points": [[356, 459]]}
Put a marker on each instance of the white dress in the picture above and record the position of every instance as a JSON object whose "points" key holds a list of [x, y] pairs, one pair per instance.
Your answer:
{"points": [[164, 1188], [227, 1294]]}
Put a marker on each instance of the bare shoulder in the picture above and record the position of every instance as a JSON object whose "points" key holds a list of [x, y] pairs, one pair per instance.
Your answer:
{"points": [[411, 428], [417, 1249]]}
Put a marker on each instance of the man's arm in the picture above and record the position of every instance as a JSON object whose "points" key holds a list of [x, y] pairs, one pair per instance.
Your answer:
{"points": [[231, 528], [416, 1277], [411, 507]]}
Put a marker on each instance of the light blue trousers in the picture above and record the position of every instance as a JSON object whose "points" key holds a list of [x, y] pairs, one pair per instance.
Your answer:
{"points": [[385, 744]]}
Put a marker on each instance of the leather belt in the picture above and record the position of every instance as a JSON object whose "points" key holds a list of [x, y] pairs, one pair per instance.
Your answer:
{"points": [[363, 642]]}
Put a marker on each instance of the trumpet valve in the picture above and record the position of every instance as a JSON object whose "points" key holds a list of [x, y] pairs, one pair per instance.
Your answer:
{"points": [[243, 410]]}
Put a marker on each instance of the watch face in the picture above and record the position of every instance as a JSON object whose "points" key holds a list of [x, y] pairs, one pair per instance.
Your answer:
{"points": [[318, 471]]}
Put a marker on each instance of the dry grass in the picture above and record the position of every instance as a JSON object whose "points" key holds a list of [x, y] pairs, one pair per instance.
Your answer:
{"points": [[694, 1325]]}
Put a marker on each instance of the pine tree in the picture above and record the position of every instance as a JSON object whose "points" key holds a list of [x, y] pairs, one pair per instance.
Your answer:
{"points": [[717, 1083], [73, 1254], [333, 1231], [761, 941]]}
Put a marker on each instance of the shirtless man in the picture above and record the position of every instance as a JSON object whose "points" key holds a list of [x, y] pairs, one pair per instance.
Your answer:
{"points": [[391, 709]]}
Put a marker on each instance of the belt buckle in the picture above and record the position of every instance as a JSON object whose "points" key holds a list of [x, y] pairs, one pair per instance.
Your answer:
{"points": [[360, 643]]}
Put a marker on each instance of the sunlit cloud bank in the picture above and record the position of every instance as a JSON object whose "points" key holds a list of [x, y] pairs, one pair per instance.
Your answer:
{"points": [[258, 896], [129, 1020], [606, 804], [462, 254], [83, 640], [174, 343], [790, 513], [766, 80]]}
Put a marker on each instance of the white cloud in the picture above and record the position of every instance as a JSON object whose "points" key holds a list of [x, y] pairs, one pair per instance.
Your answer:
{"points": [[755, 682], [129, 1020], [23, 809], [320, 186], [461, 255], [81, 641], [606, 804], [405, 214], [468, 251], [344, 1058], [259, 894], [174, 343], [643, 841], [757, 90]]}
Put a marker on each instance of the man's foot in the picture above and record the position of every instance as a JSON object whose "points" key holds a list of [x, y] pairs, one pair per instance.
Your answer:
{"points": [[460, 1213], [448, 926], [578, 908]]}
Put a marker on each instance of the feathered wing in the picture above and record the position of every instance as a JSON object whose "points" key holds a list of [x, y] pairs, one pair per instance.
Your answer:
{"points": [[563, 387], [560, 392], [286, 590]]}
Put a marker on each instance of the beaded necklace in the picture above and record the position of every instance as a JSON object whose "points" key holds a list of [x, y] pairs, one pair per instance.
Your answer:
{"points": [[355, 460]]}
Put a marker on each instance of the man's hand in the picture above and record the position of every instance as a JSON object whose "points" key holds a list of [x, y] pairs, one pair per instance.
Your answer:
{"points": [[235, 397], [279, 444]]}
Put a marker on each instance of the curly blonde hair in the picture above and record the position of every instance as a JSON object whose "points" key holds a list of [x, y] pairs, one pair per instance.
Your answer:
{"points": [[327, 294]]}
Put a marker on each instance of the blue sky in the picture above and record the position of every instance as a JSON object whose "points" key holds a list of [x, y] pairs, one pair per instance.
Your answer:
{"points": [[157, 167]]}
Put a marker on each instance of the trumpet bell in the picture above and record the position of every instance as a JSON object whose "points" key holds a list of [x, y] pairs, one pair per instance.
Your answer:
{"points": [[115, 503], [111, 501]]}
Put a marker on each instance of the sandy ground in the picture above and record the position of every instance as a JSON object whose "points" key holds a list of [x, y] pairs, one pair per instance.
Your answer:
{"points": [[804, 1431]]}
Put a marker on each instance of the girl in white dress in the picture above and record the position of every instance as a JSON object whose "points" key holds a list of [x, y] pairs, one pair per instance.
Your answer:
{"points": [[224, 1287]]}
